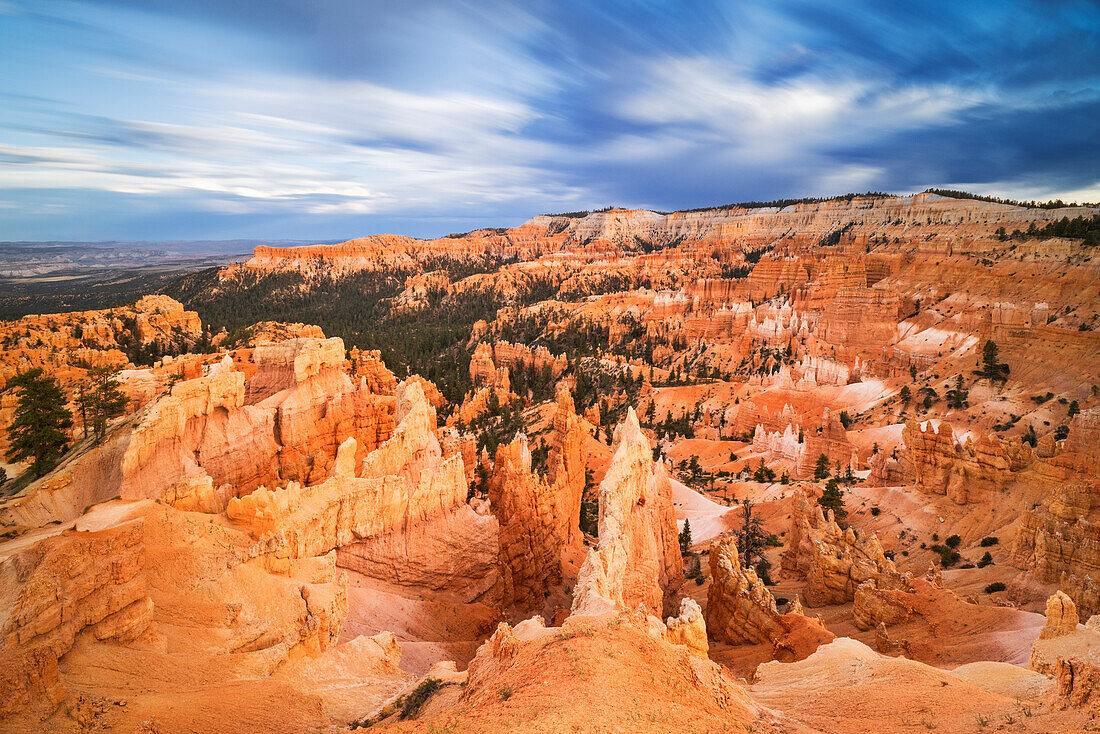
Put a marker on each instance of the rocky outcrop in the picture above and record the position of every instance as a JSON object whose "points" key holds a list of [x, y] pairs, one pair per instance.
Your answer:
{"points": [[741, 609], [368, 365], [540, 538], [86, 577], [886, 600], [834, 561], [567, 463], [638, 557], [888, 470], [401, 516], [66, 345], [1078, 681], [482, 369], [1061, 614], [1059, 540], [803, 448], [530, 545], [964, 472], [404, 481], [203, 427], [220, 435], [688, 628], [316, 405]]}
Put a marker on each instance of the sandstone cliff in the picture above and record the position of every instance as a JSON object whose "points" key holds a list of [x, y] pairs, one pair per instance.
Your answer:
{"points": [[220, 436], [638, 558], [835, 561], [964, 472], [740, 609], [88, 576], [1059, 541]]}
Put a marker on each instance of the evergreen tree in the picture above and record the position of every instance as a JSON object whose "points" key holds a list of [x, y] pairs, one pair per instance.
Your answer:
{"points": [[957, 396], [100, 399], [685, 536], [1074, 409], [833, 499], [1030, 437], [821, 468], [905, 394], [751, 538], [991, 367], [39, 430], [763, 474]]}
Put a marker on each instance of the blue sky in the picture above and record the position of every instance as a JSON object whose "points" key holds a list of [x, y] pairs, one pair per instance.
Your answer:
{"points": [[150, 119]]}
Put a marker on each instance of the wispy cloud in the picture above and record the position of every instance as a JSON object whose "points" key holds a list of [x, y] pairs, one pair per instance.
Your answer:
{"points": [[342, 118], [728, 111]]}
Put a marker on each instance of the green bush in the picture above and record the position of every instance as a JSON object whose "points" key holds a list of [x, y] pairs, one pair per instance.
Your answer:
{"points": [[953, 541], [987, 560], [948, 556], [415, 700], [988, 541], [995, 587]]}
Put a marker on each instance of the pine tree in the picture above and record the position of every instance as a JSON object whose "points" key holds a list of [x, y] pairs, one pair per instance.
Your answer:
{"points": [[1074, 409], [101, 399], [685, 536], [751, 538], [821, 468], [957, 396], [39, 430], [763, 474], [833, 499], [991, 368]]}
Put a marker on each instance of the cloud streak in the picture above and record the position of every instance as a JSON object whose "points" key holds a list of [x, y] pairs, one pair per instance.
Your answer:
{"points": [[293, 119]]}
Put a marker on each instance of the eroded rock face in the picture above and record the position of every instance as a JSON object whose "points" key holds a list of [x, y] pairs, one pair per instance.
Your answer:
{"points": [[741, 609], [886, 600], [566, 465], [205, 442], [529, 544], [1078, 681], [638, 557], [53, 589], [1061, 614], [202, 427], [403, 519], [1059, 541], [368, 365], [835, 561], [316, 404], [688, 628], [540, 515], [65, 345], [963, 472]]}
